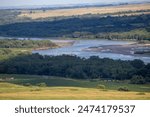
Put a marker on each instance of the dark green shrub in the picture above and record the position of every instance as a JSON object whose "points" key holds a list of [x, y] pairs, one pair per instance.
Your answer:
{"points": [[27, 84], [42, 84], [123, 89], [137, 80], [37, 89], [99, 86]]}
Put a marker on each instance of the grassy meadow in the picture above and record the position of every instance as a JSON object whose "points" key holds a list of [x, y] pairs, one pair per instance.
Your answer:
{"points": [[25, 87], [8, 53]]}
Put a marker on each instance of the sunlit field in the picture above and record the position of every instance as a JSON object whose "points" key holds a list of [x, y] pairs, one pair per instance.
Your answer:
{"points": [[25, 87], [36, 14]]}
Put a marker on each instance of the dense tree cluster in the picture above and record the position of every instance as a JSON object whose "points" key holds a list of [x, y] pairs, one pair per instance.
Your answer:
{"points": [[120, 27], [14, 43], [75, 67]]}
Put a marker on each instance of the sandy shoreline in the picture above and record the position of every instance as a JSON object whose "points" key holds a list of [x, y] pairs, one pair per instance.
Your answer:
{"points": [[131, 48], [126, 49], [62, 43], [59, 44]]}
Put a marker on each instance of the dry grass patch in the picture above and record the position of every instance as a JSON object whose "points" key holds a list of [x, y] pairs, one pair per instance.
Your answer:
{"points": [[81, 11], [72, 93]]}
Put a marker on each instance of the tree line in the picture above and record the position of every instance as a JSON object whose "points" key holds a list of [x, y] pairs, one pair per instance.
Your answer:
{"points": [[110, 27], [15, 43], [78, 68]]}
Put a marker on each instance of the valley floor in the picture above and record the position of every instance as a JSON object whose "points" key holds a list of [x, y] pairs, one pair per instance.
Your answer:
{"points": [[70, 93], [81, 90]]}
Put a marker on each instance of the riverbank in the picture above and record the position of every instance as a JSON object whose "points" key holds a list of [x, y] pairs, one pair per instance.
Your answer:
{"points": [[132, 48], [62, 43], [58, 43]]}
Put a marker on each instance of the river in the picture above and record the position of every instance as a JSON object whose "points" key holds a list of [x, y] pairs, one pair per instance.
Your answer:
{"points": [[80, 47]]}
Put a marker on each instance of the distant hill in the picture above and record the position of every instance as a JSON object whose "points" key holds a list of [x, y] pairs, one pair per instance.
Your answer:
{"points": [[65, 6], [125, 21], [111, 9]]}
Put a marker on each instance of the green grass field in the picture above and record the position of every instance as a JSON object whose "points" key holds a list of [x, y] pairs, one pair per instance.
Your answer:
{"points": [[7, 53], [61, 88]]}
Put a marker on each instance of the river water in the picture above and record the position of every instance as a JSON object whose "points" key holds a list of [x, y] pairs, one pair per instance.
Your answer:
{"points": [[80, 45]]}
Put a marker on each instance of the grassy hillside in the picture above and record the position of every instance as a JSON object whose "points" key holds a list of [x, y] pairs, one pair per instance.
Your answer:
{"points": [[60, 88], [8, 53], [66, 82], [11, 48]]}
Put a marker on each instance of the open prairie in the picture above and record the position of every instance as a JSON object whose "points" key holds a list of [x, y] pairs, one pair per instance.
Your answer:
{"points": [[60, 88], [33, 93], [132, 9]]}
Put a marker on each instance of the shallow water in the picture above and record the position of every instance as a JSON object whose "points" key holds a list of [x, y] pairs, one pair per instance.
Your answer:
{"points": [[78, 49]]}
